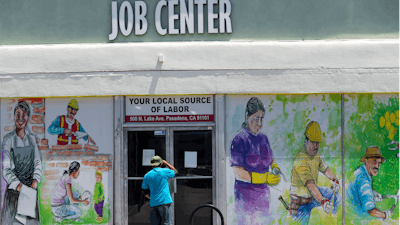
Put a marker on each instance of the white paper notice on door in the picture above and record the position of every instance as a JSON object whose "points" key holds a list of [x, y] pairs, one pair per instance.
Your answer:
{"points": [[147, 155], [190, 159]]}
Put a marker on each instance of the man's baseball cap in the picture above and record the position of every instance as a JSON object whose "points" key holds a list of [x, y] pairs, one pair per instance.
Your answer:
{"points": [[373, 152], [156, 160]]}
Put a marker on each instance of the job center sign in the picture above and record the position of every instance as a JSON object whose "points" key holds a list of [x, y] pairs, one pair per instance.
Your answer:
{"points": [[164, 109], [128, 17]]}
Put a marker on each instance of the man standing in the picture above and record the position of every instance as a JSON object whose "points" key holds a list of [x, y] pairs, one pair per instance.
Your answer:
{"points": [[304, 192], [360, 192], [66, 126], [155, 187]]}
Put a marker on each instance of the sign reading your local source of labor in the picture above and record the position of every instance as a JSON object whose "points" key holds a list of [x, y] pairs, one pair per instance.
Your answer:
{"points": [[162, 109]]}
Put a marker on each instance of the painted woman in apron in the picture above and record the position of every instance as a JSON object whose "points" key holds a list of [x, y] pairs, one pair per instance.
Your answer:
{"points": [[22, 167], [251, 159]]}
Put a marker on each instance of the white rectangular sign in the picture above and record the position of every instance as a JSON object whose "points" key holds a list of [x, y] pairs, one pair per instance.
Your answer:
{"points": [[190, 159], [147, 155], [175, 108]]}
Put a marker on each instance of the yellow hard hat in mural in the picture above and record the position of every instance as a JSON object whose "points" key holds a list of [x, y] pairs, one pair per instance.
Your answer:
{"points": [[73, 104], [313, 132]]}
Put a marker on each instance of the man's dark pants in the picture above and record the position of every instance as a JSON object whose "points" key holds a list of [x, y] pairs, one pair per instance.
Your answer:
{"points": [[160, 215]]}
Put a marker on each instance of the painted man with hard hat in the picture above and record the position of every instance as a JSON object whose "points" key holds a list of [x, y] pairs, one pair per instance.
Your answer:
{"points": [[360, 192], [304, 192], [68, 128]]}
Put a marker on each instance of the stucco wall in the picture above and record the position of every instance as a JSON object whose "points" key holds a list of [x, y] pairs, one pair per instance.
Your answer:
{"points": [[200, 68]]}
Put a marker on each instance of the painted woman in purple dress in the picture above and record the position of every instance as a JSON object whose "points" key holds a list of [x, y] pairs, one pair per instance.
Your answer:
{"points": [[251, 157]]}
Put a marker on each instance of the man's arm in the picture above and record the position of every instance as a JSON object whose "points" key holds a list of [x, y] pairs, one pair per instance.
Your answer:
{"points": [[87, 137], [37, 174], [54, 127], [377, 213], [146, 193], [335, 181], [170, 166], [8, 174], [329, 174], [312, 187]]}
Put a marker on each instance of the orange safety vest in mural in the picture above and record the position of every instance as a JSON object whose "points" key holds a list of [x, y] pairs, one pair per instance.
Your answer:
{"points": [[62, 139]]}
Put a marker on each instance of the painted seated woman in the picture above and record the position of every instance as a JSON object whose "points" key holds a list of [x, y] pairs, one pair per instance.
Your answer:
{"points": [[63, 196], [22, 170]]}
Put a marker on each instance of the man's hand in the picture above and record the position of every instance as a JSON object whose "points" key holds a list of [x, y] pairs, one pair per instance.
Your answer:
{"points": [[377, 196], [388, 214], [336, 185], [19, 187], [99, 199], [86, 201], [326, 205], [91, 140], [67, 132], [34, 184], [164, 162]]}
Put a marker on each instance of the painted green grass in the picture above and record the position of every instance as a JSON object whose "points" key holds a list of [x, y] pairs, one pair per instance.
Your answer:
{"points": [[88, 216]]}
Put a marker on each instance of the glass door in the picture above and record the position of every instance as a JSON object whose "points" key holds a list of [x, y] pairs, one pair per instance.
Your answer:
{"points": [[193, 151], [142, 144]]}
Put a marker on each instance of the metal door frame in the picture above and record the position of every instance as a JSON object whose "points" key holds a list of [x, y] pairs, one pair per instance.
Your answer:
{"points": [[213, 176], [155, 128], [169, 148], [120, 195]]}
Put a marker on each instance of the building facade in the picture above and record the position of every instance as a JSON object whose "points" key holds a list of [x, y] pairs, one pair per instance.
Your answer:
{"points": [[223, 90]]}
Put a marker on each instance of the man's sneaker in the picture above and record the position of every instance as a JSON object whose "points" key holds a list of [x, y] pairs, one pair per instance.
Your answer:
{"points": [[58, 219], [78, 220]]}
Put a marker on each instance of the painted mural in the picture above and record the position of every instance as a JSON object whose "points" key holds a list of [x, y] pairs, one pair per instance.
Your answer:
{"points": [[57, 158], [284, 159], [372, 159]]}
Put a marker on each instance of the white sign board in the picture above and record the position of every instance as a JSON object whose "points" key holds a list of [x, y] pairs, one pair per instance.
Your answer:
{"points": [[187, 108], [190, 159], [147, 155]]}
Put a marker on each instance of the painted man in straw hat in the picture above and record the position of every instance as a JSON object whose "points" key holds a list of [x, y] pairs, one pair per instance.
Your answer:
{"points": [[360, 192], [67, 127], [304, 192]]}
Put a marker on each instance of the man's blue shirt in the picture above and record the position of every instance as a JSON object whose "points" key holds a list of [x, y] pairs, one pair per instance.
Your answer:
{"points": [[157, 181], [360, 192]]}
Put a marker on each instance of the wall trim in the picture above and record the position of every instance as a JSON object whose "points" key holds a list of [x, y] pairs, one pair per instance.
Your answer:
{"points": [[231, 55]]}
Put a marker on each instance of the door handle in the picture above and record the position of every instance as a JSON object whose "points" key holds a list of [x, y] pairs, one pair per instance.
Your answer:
{"points": [[175, 187]]}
